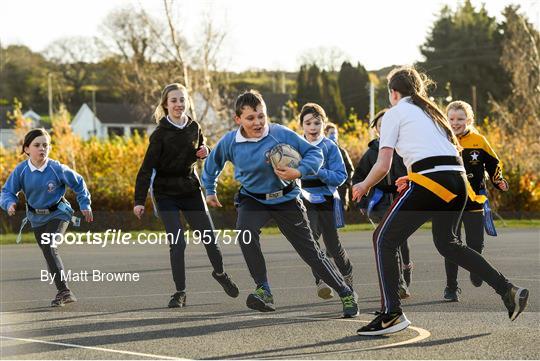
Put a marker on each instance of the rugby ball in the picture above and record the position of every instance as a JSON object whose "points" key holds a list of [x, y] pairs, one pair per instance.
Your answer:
{"points": [[284, 155]]}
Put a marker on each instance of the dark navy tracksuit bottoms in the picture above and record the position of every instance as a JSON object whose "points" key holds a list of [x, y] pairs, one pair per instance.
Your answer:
{"points": [[322, 222], [54, 262], [292, 221], [197, 215]]}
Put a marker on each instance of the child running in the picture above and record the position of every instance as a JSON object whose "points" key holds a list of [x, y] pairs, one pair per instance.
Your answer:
{"points": [[437, 191], [267, 194], [43, 182], [381, 197], [478, 157], [320, 195], [175, 146]]}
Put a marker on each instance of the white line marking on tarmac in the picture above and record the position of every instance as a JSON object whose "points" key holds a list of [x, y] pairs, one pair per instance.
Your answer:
{"points": [[422, 334], [148, 355]]}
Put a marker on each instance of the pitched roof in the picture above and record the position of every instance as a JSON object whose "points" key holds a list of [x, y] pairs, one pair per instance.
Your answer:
{"points": [[121, 113]]}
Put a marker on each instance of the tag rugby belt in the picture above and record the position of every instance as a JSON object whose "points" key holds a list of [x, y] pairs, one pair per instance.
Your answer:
{"points": [[431, 163], [274, 195], [44, 210]]}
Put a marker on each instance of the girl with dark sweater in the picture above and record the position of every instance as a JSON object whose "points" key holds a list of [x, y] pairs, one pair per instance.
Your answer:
{"points": [[169, 168]]}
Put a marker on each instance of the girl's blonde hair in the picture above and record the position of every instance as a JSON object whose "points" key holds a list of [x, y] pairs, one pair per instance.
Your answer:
{"points": [[161, 110], [461, 105]]}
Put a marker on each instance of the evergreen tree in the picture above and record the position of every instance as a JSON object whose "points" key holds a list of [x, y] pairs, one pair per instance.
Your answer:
{"points": [[354, 89], [331, 99], [462, 51]]}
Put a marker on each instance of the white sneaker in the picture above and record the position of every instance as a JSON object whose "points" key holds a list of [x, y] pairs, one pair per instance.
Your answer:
{"points": [[324, 291]]}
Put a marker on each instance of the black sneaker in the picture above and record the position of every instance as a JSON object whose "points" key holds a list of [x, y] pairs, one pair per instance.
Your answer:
{"points": [[261, 300], [350, 307], [178, 300], [451, 294], [407, 273], [515, 301], [62, 298], [227, 283], [384, 324], [476, 280]]}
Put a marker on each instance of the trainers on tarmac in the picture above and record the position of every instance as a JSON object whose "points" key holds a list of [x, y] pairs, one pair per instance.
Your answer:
{"points": [[451, 294], [227, 283], [476, 280], [384, 324], [63, 297], [178, 300], [324, 291], [407, 273], [515, 300], [403, 292], [261, 300], [350, 307]]}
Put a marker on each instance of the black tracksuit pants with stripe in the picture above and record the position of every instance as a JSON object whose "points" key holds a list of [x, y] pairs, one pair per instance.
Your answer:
{"points": [[414, 207], [54, 262], [322, 222], [291, 219]]}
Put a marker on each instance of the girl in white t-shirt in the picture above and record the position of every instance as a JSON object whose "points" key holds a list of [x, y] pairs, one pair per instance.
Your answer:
{"points": [[436, 189]]}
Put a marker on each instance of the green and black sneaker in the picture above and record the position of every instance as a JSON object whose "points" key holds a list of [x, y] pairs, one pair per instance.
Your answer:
{"points": [[261, 300], [350, 307]]}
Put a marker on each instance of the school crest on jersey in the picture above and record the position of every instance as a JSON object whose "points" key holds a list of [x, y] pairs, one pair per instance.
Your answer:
{"points": [[51, 186]]}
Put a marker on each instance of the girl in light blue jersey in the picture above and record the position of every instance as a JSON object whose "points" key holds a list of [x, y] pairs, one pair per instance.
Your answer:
{"points": [[321, 197], [43, 182]]}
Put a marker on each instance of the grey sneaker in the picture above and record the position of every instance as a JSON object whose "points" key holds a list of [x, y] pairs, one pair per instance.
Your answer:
{"points": [[62, 298], [515, 300]]}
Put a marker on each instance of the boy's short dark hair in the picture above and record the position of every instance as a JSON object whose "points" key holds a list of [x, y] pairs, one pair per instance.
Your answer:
{"points": [[378, 116], [251, 98], [312, 108]]}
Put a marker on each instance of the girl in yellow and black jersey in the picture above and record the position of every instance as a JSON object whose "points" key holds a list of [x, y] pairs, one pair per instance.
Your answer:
{"points": [[478, 158]]}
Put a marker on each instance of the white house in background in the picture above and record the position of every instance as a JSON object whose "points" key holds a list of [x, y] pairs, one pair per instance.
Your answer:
{"points": [[8, 138], [124, 119], [111, 119]]}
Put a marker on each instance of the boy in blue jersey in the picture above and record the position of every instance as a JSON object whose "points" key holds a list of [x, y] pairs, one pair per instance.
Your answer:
{"points": [[322, 200], [44, 182], [267, 193]]}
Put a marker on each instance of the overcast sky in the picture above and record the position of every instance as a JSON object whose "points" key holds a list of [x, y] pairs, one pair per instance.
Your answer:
{"points": [[260, 34]]}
